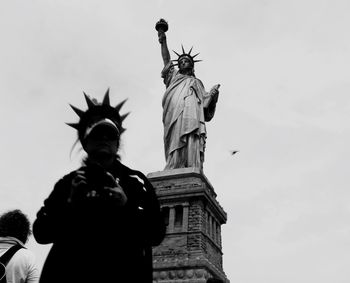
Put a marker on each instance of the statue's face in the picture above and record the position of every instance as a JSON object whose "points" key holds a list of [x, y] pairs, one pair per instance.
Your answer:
{"points": [[185, 64]]}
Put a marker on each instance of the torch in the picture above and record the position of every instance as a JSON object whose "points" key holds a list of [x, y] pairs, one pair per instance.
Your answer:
{"points": [[162, 26]]}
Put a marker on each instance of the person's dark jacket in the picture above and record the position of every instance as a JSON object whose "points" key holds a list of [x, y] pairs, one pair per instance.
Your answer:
{"points": [[95, 240]]}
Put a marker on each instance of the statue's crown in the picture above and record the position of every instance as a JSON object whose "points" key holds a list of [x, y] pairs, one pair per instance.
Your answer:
{"points": [[186, 55]]}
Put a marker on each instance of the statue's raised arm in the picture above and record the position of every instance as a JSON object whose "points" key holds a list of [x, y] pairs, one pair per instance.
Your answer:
{"points": [[162, 27], [186, 107]]}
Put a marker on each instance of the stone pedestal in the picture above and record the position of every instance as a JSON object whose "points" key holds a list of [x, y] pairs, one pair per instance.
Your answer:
{"points": [[191, 251]]}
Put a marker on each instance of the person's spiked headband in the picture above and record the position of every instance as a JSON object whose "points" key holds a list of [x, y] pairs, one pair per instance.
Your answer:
{"points": [[96, 112], [185, 55]]}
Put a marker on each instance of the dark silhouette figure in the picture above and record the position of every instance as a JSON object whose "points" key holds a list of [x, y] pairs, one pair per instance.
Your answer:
{"points": [[103, 218]]}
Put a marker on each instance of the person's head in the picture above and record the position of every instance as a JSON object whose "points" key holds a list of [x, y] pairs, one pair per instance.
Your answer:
{"points": [[100, 127], [101, 139], [15, 224]]}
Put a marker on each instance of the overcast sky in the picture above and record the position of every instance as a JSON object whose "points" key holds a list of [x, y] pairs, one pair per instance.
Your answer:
{"points": [[284, 104]]}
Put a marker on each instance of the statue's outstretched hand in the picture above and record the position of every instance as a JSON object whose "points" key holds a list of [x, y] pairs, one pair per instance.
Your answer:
{"points": [[214, 92]]}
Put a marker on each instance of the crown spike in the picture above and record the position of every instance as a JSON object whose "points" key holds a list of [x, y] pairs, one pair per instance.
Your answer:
{"points": [[124, 116], [106, 98], [73, 125], [122, 130], [176, 53], [194, 61], [183, 50], [189, 52], [89, 102], [120, 105], [79, 112], [195, 55]]}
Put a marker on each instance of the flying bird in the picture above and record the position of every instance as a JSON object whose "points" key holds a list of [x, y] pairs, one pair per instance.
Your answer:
{"points": [[233, 152]]}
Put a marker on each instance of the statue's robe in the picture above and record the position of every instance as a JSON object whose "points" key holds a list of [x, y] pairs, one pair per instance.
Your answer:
{"points": [[186, 108]]}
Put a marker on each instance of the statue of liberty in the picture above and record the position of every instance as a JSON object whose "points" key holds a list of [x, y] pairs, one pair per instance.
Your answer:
{"points": [[186, 107]]}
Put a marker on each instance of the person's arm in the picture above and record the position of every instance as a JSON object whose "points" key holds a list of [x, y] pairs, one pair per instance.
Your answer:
{"points": [[153, 217], [164, 47], [52, 215]]}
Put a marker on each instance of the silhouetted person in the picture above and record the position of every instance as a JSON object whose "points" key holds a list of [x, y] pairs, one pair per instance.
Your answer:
{"points": [[103, 218]]}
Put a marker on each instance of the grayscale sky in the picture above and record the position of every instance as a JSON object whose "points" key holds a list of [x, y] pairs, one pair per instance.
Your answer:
{"points": [[284, 104]]}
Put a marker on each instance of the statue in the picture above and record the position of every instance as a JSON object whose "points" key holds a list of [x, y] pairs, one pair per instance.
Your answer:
{"points": [[186, 107]]}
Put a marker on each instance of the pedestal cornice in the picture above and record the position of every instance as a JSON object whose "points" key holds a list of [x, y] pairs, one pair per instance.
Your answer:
{"points": [[183, 183]]}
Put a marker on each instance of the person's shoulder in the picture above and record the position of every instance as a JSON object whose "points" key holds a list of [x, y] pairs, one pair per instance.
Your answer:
{"points": [[25, 253], [24, 256], [132, 173], [129, 171], [24, 265]]}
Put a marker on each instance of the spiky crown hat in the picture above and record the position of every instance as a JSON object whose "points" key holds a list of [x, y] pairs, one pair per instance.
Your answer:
{"points": [[185, 55], [97, 112]]}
